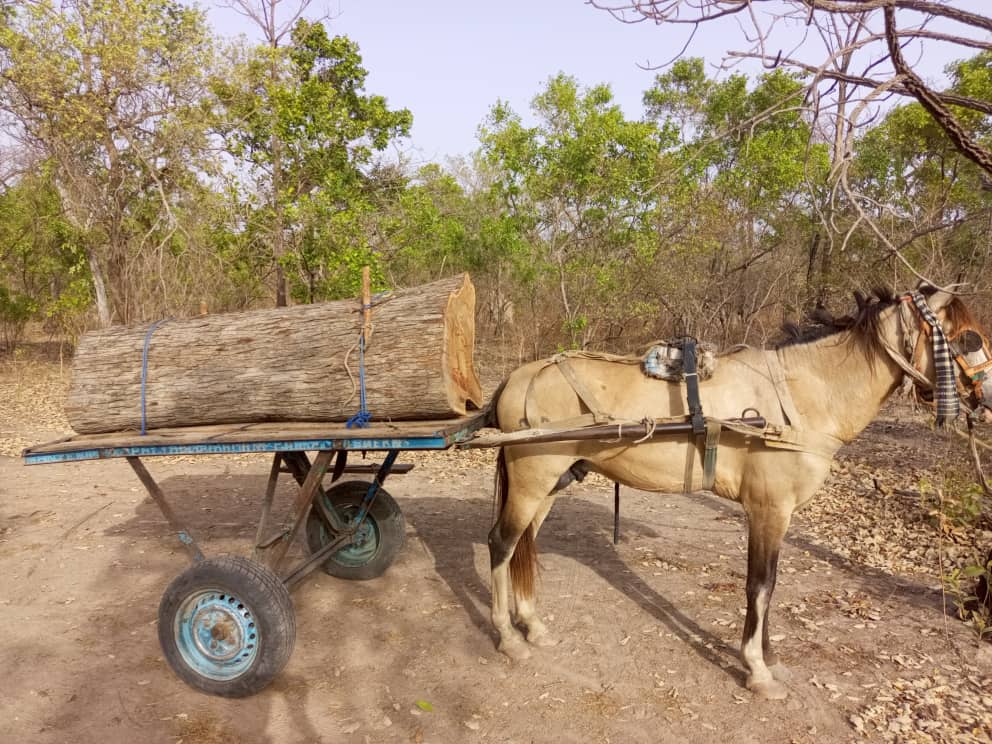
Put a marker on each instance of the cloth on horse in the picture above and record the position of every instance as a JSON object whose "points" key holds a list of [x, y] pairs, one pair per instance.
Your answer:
{"points": [[664, 360], [946, 395]]}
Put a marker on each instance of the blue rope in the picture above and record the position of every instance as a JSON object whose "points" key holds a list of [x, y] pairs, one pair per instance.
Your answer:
{"points": [[361, 419], [144, 369]]}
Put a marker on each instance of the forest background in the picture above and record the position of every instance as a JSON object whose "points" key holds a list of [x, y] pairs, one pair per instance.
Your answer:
{"points": [[150, 168]]}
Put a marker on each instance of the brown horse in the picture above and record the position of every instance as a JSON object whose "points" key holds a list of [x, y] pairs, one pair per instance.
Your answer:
{"points": [[816, 391]]}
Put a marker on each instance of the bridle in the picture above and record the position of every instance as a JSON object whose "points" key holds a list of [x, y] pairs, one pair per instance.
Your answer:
{"points": [[965, 343]]}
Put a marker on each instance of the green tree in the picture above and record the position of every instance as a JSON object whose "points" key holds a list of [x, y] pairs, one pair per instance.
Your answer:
{"points": [[111, 91], [750, 181], [43, 269], [308, 137], [931, 199], [580, 186]]}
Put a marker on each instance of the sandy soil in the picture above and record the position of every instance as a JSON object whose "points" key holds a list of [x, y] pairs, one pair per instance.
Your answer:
{"points": [[649, 628]]}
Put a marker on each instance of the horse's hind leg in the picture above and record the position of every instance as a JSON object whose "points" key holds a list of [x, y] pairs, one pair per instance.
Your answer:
{"points": [[525, 500], [526, 612], [766, 528]]}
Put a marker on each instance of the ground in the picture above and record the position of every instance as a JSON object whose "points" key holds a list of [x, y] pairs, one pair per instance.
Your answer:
{"points": [[649, 627]]}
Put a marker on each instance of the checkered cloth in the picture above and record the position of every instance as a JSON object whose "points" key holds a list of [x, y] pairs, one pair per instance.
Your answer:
{"points": [[946, 394]]}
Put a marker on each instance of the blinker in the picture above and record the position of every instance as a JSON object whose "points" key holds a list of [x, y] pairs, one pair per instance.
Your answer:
{"points": [[974, 356], [969, 341]]}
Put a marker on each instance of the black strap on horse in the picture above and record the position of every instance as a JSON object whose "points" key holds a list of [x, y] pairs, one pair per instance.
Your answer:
{"points": [[703, 431]]}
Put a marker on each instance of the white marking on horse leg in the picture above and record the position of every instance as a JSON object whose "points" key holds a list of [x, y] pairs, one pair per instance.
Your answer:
{"points": [[760, 679], [511, 642], [526, 606], [537, 631]]}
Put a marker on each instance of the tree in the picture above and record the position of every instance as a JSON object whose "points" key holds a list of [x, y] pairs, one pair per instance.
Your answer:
{"points": [[307, 137], [877, 35], [111, 92], [579, 185], [747, 184], [856, 54], [43, 269]]}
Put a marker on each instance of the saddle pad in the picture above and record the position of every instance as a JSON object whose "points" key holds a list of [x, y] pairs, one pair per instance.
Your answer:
{"points": [[664, 360]]}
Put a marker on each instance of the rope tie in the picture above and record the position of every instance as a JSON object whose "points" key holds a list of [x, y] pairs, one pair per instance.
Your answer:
{"points": [[361, 419], [144, 371], [946, 394]]}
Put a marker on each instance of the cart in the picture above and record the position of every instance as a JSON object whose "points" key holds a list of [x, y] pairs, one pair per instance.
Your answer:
{"points": [[226, 624]]}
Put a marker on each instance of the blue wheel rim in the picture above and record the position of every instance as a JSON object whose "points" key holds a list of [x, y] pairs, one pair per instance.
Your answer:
{"points": [[216, 634], [365, 543]]}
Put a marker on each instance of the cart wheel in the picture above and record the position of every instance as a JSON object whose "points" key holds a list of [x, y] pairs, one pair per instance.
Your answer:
{"points": [[377, 542], [227, 626]]}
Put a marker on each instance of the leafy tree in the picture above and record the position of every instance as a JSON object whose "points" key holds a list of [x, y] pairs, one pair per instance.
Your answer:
{"points": [[579, 185], [748, 181], [43, 270], [111, 92], [308, 137]]}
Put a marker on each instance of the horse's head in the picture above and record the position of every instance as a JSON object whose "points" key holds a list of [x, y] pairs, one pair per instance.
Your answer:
{"points": [[940, 332]]}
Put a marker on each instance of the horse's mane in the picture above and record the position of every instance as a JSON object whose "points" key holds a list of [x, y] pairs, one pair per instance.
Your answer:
{"points": [[863, 323]]}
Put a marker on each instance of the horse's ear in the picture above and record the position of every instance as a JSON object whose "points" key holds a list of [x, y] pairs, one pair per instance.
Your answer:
{"points": [[940, 299]]}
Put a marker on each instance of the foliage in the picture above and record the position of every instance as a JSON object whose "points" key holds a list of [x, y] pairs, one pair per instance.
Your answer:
{"points": [[112, 93], [578, 187], [298, 118], [959, 584], [42, 263]]}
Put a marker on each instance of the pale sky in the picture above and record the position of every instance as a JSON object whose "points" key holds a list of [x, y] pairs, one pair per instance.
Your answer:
{"points": [[449, 61]]}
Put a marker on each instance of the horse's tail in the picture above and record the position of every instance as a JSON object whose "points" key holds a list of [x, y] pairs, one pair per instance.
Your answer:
{"points": [[523, 562]]}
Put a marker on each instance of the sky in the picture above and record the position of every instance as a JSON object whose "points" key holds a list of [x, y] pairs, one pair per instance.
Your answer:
{"points": [[450, 61]]}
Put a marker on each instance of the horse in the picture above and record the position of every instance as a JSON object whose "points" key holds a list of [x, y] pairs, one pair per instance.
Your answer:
{"points": [[816, 391]]}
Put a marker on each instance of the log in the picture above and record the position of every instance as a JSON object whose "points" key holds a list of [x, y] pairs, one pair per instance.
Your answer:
{"points": [[296, 363]]}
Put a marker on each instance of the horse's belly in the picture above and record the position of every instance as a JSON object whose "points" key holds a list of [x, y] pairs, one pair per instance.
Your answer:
{"points": [[658, 466]]}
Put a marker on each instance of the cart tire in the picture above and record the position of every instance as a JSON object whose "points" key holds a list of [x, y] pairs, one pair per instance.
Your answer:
{"points": [[379, 540], [227, 626]]}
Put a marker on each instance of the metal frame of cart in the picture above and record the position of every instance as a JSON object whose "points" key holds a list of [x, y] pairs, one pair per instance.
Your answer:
{"points": [[227, 625]]}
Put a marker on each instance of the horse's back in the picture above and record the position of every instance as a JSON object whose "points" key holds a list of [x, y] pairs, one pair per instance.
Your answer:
{"points": [[541, 392]]}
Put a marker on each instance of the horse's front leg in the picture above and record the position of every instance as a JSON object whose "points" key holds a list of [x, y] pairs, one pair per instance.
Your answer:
{"points": [[766, 528]]}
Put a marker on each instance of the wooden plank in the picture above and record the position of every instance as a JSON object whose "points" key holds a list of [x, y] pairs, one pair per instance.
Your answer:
{"points": [[602, 432], [449, 430]]}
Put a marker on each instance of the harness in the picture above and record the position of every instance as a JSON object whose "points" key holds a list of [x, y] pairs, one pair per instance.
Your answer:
{"points": [[947, 352], [913, 313]]}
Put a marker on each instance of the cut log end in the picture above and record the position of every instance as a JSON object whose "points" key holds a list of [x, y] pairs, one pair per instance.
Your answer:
{"points": [[461, 381]]}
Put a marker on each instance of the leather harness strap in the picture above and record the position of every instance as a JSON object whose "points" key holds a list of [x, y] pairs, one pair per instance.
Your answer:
{"points": [[589, 400], [704, 431], [777, 376]]}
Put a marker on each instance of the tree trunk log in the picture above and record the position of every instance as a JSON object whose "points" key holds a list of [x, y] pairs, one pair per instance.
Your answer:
{"points": [[289, 364]]}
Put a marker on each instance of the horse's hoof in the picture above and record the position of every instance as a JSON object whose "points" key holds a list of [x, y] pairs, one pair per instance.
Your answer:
{"points": [[780, 672], [768, 689], [514, 648]]}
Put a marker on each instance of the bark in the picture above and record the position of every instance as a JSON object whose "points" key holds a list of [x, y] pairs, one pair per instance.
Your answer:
{"points": [[286, 364]]}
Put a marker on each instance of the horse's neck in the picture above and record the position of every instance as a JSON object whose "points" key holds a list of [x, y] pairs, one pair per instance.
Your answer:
{"points": [[836, 388]]}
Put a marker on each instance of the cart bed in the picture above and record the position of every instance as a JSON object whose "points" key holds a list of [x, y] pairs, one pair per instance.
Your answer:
{"points": [[219, 439]]}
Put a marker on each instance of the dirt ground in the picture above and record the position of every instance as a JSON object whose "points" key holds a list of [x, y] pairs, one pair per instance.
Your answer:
{"points": [[649, 628]]}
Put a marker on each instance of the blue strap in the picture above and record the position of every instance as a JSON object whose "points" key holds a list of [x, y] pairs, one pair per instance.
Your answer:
{"points": [[144, 369], [361, 419]]}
